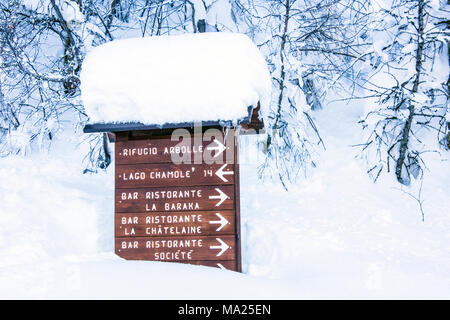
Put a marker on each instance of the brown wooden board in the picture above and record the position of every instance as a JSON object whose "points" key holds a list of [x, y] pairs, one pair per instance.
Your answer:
{"points": [[177, 212], [175, 224], [221, 264], [177, 248], [175, 199], [164, 150], [168, 174]]}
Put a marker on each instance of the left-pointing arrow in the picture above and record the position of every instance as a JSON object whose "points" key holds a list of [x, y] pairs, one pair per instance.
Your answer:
{"points": [[220, 173], [223, 247]]}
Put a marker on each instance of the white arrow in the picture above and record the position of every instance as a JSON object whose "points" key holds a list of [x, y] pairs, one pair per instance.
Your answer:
{"points": [[220, 173], [220, 148], [223, 247], [221, 266], [222, 196], [223, 222]]}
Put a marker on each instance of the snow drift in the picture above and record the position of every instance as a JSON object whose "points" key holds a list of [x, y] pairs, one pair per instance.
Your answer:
{"points": [[172, 79]]}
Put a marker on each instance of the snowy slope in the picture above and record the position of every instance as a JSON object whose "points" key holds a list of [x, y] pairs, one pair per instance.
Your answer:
{"points": [[334, 234], [339, 235]]}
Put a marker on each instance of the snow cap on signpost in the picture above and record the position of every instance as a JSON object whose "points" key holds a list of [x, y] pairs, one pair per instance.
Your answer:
{"points": [[162, 80]]}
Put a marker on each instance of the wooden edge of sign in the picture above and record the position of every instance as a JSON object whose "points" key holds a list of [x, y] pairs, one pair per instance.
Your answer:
{"points": [[255, 125], [229, 265], [237, 199], [221, 264], [135, 130], [137, 126]]}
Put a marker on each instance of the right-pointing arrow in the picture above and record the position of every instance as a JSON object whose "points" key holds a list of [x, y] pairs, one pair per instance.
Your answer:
{"points": [[222, 196], [223, 247], [222, 221], [220, 148], [221, 266]]}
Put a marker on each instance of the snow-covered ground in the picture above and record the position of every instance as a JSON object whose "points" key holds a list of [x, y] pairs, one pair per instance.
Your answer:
{"points": [[337, 234], [334, 234]]}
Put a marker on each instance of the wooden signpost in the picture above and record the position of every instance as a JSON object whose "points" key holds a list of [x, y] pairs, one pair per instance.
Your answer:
{"points": [[186, 212], [178, 201]]}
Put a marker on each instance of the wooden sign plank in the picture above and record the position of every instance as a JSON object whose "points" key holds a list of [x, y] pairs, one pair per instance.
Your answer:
{"points": [[174, 199], [168, 174], [225, 265], [177, 248], [175, 224], [164, 150]]}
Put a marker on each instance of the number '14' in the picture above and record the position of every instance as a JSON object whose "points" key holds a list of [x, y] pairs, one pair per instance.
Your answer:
{"points": [[208, 173]]}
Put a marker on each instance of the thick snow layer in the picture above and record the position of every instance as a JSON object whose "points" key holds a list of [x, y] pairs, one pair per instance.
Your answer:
{"points": [[173, 79]]}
